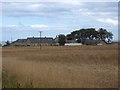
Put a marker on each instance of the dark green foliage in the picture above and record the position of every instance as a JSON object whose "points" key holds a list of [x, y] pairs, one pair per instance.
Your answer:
{"points": [[104, 34], [92, 34], [78, 40], [70, 37], [7, 43], [61, 39]]}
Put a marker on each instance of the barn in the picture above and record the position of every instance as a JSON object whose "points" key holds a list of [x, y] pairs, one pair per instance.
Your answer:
{"points": [[34, 41]]}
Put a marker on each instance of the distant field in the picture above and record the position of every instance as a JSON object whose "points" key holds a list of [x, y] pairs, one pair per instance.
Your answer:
{"points": [[61, 66]]}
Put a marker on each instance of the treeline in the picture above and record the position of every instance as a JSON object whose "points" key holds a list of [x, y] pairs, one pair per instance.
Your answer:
{"points": [[89, 33]]}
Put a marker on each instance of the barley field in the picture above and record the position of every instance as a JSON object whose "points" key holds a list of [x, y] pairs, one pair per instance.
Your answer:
{"points": [[60, 67]]}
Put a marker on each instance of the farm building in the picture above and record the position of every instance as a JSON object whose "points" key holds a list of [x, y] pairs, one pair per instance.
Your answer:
{"points": [[34, 41], [92, 42], [49, 41], [83, 41]]}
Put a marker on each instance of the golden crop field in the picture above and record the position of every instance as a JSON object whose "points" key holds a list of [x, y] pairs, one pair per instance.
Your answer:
{"points": [[61, 67]]}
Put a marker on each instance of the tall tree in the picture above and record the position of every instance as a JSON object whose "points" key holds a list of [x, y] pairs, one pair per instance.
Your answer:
{"points": [[90, 33]]}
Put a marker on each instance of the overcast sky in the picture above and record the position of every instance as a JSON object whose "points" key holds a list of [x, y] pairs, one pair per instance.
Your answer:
{"points": [[25, 19]]}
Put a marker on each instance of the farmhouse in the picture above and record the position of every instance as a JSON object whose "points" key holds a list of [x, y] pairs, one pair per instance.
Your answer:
{"points": [[34, 41]]}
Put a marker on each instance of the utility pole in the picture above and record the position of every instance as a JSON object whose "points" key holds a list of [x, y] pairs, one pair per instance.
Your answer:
{"points": [[40, 39], [11, 39]]}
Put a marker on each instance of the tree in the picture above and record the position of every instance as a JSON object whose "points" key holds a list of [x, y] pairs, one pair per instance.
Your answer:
{"points": [[104, 34], [109, 37], [90, 33], [7, 43], [61, 39], [70, 37]]}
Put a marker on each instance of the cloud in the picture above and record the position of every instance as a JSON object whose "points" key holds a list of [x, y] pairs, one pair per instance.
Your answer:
{"points": [[59, 8], [35, 9], [25, 27], [69, 2], [108, 21], [39, 26], [100, 9], [58, 15], [60, 0]]}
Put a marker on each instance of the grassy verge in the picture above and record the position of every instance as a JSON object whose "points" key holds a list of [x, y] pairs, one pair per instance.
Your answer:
{"points": [[8, 81]]}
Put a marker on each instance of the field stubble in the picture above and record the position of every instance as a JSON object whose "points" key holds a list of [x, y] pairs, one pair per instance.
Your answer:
{"points": [[63, 66]]}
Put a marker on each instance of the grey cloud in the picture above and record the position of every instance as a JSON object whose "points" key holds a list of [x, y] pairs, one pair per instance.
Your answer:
{"points": [[58, 9], [27, 9]]}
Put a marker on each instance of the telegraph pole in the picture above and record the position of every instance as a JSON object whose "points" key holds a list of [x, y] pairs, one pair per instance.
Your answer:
{"points": [[11, 39], [40, 39]]}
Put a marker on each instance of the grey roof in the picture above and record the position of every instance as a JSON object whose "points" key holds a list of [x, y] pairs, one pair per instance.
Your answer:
{"points": [[36, 40], [42, 40], [90, 42], [21, 40]]}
